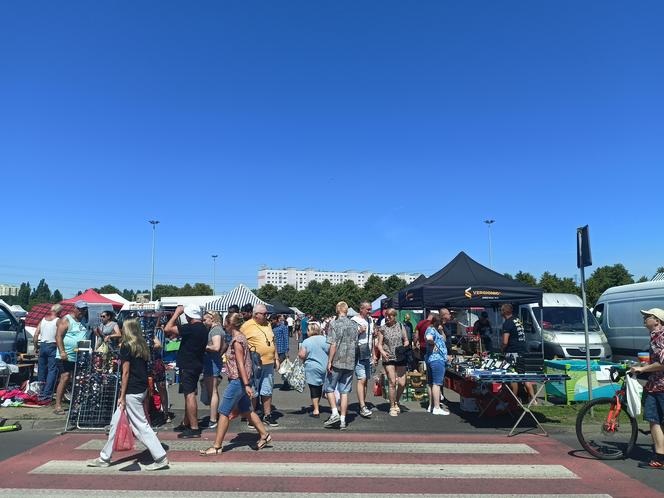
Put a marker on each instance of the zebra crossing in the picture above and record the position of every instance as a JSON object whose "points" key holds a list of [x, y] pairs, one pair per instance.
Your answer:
{"points": [[321, 464]]}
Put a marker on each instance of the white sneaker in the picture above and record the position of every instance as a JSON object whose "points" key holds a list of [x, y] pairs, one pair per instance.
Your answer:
{"points": [[98, 462], [158, 465], [429, 408], [440, 411]]}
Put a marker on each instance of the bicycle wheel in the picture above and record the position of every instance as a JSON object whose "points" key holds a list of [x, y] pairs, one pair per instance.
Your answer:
{"points": [[598, 438]]}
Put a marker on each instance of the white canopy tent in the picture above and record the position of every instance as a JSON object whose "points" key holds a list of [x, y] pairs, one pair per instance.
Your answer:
{"points": [[375, 305], [117, 298]]}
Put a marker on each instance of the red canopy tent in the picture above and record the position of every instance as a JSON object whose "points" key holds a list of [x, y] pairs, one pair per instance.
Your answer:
{"points": [[91, 296]]}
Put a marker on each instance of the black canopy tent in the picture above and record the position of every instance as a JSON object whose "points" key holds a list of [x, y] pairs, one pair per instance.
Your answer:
{"points": [[393, 301], [279, 308], [464, 283]]}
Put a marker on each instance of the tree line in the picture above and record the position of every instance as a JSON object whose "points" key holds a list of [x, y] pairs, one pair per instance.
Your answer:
{"points": [[28, 297], [320, 298]]}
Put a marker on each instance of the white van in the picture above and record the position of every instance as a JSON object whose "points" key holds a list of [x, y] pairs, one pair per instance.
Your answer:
{"points": [[618, 310], [563, 328]]}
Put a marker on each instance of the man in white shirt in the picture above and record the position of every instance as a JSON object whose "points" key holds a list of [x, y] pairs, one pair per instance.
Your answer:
{"points": [[364, 355]]}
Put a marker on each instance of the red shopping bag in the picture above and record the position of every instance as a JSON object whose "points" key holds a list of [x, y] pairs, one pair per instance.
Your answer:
{"points": [[124, 438]]}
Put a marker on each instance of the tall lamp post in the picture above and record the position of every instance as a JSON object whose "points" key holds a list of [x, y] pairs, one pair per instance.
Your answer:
{"points": [[488, 224], [154, 224], [214, 274]]}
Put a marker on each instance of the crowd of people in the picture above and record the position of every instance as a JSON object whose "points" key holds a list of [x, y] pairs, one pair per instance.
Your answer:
{"points": [[248, 346]]}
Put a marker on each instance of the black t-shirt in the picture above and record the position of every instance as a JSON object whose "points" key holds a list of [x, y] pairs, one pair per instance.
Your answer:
{"points": [[138, 372], [192, 347], [517, 340]]}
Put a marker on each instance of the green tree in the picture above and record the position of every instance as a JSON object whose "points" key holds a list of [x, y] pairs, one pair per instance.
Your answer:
{"points": [[305, 300], [392, 285], [526, 278], [605, 277], [108, 289], [508, 275], [374, 287], [268, 292], [660, 269], [128, 294], [41, 293], [644, 279], [201, 289], [315, 287], [24, 294], [57, 296], [162, 290], [549, 282], [288, 294], [568, 286]]}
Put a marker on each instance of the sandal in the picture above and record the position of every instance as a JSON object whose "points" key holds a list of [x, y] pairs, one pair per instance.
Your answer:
{"points": [[263, 442], [215, 451], [59, 411], [652, 464]]}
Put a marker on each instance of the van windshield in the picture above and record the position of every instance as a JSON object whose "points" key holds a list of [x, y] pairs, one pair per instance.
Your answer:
{"points": [[563, 318]]}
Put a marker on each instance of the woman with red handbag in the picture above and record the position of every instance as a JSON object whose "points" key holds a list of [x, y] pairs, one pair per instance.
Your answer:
{"points": [[134, 353]]}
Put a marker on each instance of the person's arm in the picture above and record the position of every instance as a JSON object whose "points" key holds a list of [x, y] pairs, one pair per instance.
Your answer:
{"points": [[653, 367], [302, 353], [404, 336], [244, 376], [117, 333], [125, 383], [63, 325], [156, 344], [383, 354], [35, 338], [216, 345], [171, 328], [506, 340], [330, 359]]}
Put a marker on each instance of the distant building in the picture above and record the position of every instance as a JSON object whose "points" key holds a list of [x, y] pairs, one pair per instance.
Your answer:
{"points": [[301, 278], [8, 290]]}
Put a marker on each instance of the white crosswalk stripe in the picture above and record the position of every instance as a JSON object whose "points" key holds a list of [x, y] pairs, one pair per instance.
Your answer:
{"points": [[424, 471]]}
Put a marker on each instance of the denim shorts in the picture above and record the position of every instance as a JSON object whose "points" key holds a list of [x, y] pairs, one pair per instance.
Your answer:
{"points": [[211, 365], [234, 395], [363, 369], [653, 407], [263, 384], [339, 379], [435, 373]]}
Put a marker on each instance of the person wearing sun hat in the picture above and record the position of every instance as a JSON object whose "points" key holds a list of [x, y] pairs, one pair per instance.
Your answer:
{"points": [[653, 405], [194, 335]]}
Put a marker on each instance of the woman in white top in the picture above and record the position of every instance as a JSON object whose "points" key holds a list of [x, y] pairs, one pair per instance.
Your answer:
{"points": [[44, 341]]}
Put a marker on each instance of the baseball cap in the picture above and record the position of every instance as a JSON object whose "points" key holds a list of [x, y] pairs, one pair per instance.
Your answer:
{"points": [[193, 311], [656, 312], [80, 304]]}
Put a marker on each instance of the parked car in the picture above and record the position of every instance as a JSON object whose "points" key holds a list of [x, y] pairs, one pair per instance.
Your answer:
{"points": [[562, 328], [13, 338], [618, 311]]}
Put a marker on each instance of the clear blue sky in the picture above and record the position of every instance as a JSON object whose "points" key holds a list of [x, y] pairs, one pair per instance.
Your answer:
{"points": [[368, 135]]}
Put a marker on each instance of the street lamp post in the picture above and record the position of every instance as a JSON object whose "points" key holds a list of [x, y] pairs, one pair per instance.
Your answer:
{"points": [[488, 224], [214, 274], [154, 224]]}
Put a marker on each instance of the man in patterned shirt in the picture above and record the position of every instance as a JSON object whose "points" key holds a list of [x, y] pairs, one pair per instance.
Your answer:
{"points": [[653, 406], [342, 339]]}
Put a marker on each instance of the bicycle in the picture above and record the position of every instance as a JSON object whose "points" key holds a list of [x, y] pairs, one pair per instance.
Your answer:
{"points": [[612, 435]]}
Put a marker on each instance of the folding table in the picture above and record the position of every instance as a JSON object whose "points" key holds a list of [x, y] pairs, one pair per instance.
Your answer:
{"points": [[506, 379]]}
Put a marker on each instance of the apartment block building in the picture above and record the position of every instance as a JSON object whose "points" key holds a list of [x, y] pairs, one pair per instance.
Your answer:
{"points": [[301, 278]]}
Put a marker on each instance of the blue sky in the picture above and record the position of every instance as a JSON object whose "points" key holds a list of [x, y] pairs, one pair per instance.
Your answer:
{"points": [[366, 135]]}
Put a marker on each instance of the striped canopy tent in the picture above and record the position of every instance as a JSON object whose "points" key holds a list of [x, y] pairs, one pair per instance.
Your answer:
{"points": [[241, 295]]}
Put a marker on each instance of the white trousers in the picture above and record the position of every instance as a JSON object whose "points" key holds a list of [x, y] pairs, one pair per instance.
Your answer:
{"points": [[139, 426]]}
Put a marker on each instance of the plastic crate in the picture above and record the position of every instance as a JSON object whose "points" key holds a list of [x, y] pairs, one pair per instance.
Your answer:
{"points": [[576, 387]]}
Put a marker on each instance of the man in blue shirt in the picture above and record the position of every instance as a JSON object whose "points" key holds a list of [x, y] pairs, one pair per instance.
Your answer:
{"points": [[280, 330]]}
